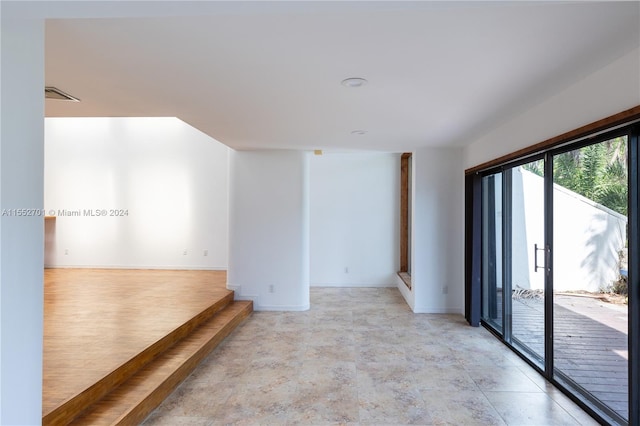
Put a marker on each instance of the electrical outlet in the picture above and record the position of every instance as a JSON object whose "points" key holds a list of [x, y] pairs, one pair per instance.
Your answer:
{"points": [[66, 252], [445, 289], [205, 253], [184, 252], [271, 289], [346, 269]]}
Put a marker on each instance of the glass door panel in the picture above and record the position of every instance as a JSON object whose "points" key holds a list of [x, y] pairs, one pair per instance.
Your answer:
{"points": [[527, 259], [589, 271], [492, 251]]}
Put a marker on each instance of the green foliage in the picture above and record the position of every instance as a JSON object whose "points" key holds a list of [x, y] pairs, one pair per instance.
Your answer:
{"points": [[597, 172], [536, 167], [620, 286]]}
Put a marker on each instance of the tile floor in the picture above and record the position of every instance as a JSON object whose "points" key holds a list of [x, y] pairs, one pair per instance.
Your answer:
{"points": [[360, 356]]}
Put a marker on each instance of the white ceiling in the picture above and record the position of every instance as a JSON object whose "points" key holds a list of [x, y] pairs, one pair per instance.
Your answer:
{"points": [[267, 75]]}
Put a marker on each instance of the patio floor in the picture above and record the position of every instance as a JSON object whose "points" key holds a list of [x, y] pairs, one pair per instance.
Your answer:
{"points": [[590, 343]]}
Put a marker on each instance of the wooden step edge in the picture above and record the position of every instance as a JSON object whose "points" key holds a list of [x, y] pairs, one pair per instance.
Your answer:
{"points": [[76, 405], [187, 359], [136, 415]]}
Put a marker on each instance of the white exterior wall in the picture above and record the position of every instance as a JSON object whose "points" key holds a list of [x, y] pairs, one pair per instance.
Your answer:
{"points": [[586, 236], [354, 222]]}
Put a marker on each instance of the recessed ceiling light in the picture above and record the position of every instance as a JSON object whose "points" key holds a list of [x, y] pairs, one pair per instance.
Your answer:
{"points": [[55, 93], [359, 132], [354, 82]]}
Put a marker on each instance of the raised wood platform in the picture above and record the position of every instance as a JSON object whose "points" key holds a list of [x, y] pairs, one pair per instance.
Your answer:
{"points": [[117, 342]]}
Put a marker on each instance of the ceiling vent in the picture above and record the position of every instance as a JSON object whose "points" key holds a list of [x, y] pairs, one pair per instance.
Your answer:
{"points": [[55, 93]]}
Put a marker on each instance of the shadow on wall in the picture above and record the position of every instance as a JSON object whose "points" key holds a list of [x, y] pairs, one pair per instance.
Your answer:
{"points": [[587, 237], [606, 240]]}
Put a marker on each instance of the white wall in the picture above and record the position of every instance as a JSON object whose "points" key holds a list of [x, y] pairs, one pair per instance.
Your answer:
{"points": [[169, 177], [586, 237], [527, 225], [437, 255], [269, 228], [612, 89], [587, 243], [21, 238], [354, 219]]}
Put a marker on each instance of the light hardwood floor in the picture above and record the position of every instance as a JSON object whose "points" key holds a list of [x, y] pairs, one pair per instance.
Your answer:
{"points": [[97, 319]]}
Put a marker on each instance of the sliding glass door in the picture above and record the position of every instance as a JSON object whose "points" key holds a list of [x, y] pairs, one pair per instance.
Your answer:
{"points": [[527, 263], [492, 293], [590, 263], [514, 256], [555, 262]]}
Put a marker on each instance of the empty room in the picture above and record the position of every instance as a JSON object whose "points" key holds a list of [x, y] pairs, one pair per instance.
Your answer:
{"points": [[319, 212]]}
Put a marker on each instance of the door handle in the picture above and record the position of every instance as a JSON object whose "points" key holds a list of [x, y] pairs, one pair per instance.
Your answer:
{"points": [[547, 254], [547, 259], [535, 258]]}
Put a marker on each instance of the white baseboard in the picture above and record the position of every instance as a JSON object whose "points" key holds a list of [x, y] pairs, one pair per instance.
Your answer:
{"points": [[351, 285], [237, 289], [162, 267], [294, 308], [438, 310]]}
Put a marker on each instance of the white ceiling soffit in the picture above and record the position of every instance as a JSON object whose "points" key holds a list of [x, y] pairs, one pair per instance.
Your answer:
{"points": [[438, 74]]}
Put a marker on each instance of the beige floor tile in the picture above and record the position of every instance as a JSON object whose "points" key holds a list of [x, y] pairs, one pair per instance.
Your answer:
{"points": [[324, 403], [571, 407], [360, 357], [384, 405], [443, 378], [470, 408], [158, 419], [524, 408], [431, 354], [196, 400], [373, 376], [381, 353], [499, 378]]}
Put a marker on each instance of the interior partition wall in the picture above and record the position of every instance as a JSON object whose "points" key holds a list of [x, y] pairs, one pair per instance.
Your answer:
{"points": [[553, 264]]}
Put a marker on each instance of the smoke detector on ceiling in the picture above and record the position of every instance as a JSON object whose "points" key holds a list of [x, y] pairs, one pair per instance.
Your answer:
{"points": [[51, 92], [354, 82]]}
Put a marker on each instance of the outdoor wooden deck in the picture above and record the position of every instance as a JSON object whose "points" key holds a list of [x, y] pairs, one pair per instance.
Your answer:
{"points": [[590, 343]]}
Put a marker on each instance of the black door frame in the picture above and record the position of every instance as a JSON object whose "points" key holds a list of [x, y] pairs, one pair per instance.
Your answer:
{"points": [[474, 265]]}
